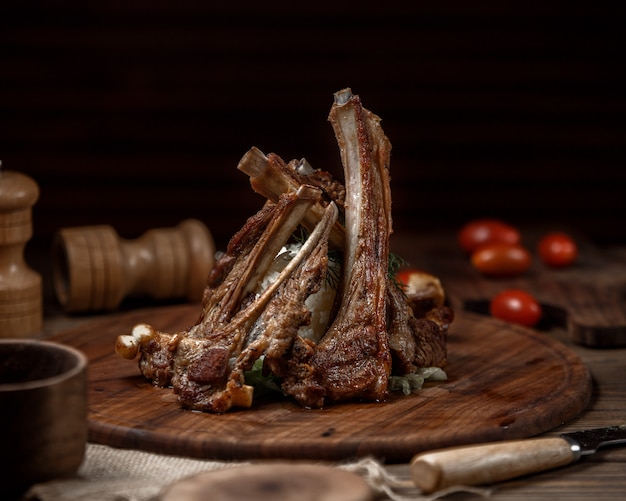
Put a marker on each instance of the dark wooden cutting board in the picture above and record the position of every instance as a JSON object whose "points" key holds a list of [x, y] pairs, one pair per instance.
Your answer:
{"points": [[504, 382]]}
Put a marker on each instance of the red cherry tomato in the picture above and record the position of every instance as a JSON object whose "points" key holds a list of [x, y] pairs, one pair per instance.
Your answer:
{"points": [[516, 306], [501, 259], [482, 231], [403, 276], [557, 250]]}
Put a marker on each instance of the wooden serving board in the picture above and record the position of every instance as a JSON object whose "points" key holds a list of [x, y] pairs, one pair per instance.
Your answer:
{"points": [[504, 382]]}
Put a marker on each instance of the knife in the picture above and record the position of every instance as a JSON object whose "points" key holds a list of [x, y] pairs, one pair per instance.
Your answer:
{"points": [[493, 462]]}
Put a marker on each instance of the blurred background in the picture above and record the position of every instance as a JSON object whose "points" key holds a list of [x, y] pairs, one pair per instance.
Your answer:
{"points": [[135, 113]]}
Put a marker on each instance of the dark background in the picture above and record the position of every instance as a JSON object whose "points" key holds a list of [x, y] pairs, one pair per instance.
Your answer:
{"points": [[135, 113]]}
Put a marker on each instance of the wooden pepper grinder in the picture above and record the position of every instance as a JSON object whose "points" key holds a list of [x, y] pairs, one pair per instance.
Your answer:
{"points": [[21, 293], [94, 269]]}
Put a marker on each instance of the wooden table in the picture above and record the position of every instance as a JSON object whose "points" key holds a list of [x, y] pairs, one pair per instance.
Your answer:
{"points": [[601, 476]]}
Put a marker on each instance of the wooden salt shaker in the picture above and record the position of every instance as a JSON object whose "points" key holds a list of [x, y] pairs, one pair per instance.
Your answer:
{"points": [[21, 293], [94, 269]]}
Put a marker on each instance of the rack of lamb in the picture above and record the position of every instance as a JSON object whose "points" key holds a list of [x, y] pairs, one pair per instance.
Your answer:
{"points": [[274, 300]]}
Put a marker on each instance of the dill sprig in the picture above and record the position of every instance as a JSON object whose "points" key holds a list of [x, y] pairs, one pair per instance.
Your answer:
{"points": [[300, 235], [395, 264]]}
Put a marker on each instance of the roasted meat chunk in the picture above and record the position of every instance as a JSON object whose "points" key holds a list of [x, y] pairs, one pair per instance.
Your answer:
{"points": [[258, 304]]}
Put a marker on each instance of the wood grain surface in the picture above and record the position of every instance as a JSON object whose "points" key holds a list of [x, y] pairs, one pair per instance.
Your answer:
{"points": [[504, 382]]}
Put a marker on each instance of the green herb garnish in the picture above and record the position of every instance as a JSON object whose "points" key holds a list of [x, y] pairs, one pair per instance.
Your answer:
{"points": [[262, 384], [414, 381]]}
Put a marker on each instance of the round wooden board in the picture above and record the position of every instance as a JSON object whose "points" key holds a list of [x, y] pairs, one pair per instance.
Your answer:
{"points": [[504, 382]]}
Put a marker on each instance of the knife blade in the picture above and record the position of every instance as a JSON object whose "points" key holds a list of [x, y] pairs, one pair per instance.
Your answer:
{"points": [[493, 462]]}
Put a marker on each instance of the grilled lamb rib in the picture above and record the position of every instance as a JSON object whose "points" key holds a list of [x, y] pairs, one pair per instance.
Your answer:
{"points": [[374, 330], [270, 177], [214, 380], [353, 361], [375, 320], [205, 364]]}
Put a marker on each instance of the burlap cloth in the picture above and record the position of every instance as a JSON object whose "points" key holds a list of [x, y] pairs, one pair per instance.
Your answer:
{"points": [[110, 474]]}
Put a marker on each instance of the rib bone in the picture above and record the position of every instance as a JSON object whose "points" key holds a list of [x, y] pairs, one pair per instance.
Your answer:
{"points": [[352, 361], [270, 177]]}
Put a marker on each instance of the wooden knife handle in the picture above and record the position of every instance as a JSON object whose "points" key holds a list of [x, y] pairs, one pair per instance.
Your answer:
{"points": [[488, 463]]}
